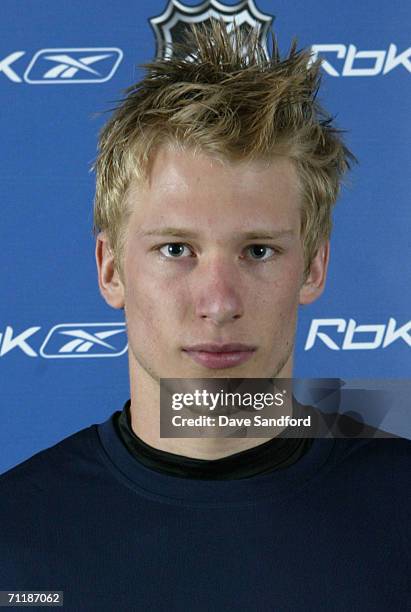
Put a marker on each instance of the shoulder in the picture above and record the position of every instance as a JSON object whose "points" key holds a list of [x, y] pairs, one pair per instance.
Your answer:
{"points": [[47, 499], [395, 449], [382, 462], [50, 467]]}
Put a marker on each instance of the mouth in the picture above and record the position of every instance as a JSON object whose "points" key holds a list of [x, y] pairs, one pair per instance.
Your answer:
{"points": [[218, 357]]}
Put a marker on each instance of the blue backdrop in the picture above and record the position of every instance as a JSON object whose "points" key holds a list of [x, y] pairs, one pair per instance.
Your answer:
{"points": [[63, 63]]}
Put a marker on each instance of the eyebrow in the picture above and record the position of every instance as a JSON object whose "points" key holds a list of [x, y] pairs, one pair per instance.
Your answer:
{"points": [[252, 235]]}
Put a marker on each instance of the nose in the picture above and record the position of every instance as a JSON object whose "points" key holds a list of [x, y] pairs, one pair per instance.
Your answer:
{"points": [[218, 296]]}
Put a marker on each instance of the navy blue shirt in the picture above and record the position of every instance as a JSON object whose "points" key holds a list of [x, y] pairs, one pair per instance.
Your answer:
{"points": [[329, 532]]}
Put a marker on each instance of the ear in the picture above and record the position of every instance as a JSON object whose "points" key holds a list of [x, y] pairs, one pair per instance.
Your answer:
{"points": [[315, 282], [109, 282]]}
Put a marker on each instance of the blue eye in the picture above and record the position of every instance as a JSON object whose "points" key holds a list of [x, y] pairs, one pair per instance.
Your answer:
{"points": [[173, 250], [260, 250]]}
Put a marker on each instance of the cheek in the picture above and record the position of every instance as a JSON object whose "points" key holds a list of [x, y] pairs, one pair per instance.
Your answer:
{"points": [[285, 289], [142, 315], [150, 299], [279, 306], [291, 278]]}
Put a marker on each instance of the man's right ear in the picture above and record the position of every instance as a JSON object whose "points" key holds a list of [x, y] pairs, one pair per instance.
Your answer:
{"points": [[109, 281]]}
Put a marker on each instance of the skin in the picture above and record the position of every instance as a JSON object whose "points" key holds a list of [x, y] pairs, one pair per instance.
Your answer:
{"points": [[217, 288]]}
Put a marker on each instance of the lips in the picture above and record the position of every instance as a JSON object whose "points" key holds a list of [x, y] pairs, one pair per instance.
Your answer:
{"points": [[212, 347], [220, 355]]}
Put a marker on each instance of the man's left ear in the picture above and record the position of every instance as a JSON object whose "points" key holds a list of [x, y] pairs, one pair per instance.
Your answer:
{"points": [[315, 282]]}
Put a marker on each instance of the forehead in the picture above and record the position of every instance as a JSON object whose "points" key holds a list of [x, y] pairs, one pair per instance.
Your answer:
{"points": [[190, 185]]}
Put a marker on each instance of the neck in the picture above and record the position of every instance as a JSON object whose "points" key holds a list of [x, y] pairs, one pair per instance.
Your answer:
{"points": [[145, 420]]}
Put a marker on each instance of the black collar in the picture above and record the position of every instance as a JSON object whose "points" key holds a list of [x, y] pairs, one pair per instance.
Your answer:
{"points": [[275, 454]]}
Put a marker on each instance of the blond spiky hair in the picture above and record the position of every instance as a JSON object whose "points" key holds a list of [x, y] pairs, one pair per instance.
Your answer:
{"points": [[220, 94]]}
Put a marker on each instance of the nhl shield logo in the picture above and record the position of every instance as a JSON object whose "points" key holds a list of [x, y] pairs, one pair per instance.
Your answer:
{"points": [[170, 27]]}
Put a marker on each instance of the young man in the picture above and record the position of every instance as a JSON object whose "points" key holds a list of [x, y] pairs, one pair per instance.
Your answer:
{"points": [[216, 177]]}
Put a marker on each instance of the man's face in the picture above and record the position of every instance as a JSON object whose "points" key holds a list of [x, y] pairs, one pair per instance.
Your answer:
{"points": [[213, 254]]}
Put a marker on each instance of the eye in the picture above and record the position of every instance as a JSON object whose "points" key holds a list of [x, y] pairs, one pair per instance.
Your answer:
{"points": [[173, 250], [260, 250]]}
